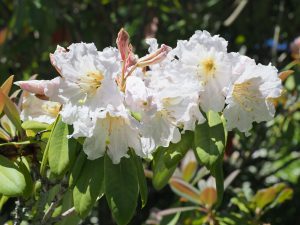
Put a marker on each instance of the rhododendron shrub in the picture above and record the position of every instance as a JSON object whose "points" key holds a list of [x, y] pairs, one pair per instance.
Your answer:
{"points": [[107, 110]]}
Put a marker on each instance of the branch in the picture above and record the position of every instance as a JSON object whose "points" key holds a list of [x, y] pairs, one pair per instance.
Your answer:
{"points": [[64, 215], [235, 13], [53, 205]]}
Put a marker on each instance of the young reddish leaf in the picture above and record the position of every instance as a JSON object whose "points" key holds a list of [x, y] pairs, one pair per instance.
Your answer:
{"points": [[10, 110], [161, 173], [264, 197], [6, 86], [185, 190], [189, 170], [209, 196], [3, 35], [284, 74]]}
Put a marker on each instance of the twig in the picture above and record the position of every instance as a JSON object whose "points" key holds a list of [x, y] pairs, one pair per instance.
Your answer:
{"points": [[64, 215], [277, 33], [53, 205], [235, 13]]}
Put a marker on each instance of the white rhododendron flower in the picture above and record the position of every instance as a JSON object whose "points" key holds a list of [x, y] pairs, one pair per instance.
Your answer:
{"points": [[250, 97], [116, 130], [205, 61], [39, 110], [118, 101], [87, 75], [166, 106]]}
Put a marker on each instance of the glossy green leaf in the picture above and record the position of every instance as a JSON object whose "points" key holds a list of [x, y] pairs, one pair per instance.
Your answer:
{"points": [[3, 200], [12, 181], [141, 178], [175, 152], [34, 125], [61, 149], [266, 196], [76, 169], [210, 140], [241, 203], [217, 172], [46, 151], [161, 173], [24, 168], [121, 188], [284, 195], [67, 203], [89, 186]]}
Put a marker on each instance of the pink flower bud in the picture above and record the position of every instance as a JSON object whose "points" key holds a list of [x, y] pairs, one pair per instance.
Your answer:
{"points": [[33, 86], [123, 43], [131, 60], [155, 57]]}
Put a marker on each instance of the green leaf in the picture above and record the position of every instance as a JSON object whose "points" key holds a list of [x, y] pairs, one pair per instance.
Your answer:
{"points": [[45, 153], [266, 196], [34, 125], [67, 203], [161, 173], [77, 168], [285, 194], [141, 178], [89, 186], [3, 200], [241, 203], [175, 152], [24, 168], [12, 181], [217, 172], [210, 140], [62, 150], [121, 189]]}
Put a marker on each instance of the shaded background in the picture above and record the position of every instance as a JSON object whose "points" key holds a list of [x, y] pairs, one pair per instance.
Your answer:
{"points": [[262, 29], [31, 29]]}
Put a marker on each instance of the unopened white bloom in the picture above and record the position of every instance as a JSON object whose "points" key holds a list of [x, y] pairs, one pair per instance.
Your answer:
{"points": [[115, 131], [39, 110], [249, 98], [204, 60]]}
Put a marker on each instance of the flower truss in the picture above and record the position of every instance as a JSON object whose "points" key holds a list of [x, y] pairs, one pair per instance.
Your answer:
{"points": [[118, 101]]}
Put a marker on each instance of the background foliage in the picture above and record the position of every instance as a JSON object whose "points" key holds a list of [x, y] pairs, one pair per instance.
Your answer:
{"points": [[31, 29]]}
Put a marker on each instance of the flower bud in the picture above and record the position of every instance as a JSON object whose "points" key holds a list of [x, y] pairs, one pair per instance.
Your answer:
{"points": [[155, 57], [123, 43], [33, 86]]}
